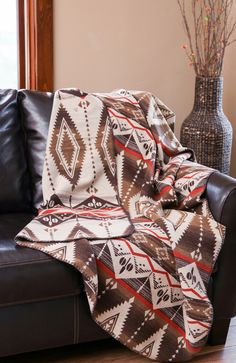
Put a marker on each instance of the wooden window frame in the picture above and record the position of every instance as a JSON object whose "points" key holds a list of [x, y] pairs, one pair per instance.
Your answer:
{"points": [[35, 44]]}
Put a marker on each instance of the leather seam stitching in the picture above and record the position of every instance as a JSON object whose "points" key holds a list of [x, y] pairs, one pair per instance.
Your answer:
{"points": [[29, 301], [9, 264]]}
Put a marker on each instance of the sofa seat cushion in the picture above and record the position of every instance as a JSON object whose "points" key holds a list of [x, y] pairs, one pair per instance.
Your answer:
{"points": [[28, 275]]}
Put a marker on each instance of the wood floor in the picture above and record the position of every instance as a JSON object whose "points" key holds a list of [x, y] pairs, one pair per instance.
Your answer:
{"points": [[112, 352]]}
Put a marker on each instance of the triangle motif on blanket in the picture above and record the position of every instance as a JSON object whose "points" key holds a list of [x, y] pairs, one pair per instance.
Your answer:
{"points": [[59, 253], [62, 251], [151, 346], [113, 320]]}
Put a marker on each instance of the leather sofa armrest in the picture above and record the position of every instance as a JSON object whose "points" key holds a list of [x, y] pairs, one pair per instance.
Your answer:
{"points": [[221, 195]]}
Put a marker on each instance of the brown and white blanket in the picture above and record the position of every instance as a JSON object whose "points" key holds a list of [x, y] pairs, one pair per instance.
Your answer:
{"points": [[123, 204]]}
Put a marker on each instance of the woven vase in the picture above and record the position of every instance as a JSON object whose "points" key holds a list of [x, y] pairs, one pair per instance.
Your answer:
{"points": [[207, 130]]}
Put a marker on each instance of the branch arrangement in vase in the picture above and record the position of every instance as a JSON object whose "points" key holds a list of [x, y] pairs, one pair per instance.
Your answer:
{"points": [[209, 32]]}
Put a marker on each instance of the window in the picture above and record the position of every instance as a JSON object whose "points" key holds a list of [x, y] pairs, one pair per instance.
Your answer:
{"points": [[8, 44], [36, 44], [26, 44]]}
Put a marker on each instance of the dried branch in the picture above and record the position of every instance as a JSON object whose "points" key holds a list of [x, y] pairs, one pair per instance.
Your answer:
{"points": [[212, 33]]}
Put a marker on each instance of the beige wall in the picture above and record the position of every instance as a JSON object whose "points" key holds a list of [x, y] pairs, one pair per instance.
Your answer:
{"points": [[105, 44]]}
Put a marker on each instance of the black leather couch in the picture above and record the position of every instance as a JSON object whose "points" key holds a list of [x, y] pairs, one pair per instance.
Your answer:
{"points": [[42, 301]]}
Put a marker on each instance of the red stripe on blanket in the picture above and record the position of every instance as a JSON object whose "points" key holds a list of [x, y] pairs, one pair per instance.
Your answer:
{"points": [[165, 189], [153, 233], [135, 153], [195, 191], [204, 297], [190, 176], [189, 259], [130, 122], [84, 211], [162, 315]]}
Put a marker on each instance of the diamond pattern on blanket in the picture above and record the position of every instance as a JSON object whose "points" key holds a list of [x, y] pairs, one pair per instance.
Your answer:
{"points": [[69, 147]]}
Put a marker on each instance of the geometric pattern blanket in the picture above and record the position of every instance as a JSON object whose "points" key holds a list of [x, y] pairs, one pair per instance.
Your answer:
{"points": [[124, 204]]}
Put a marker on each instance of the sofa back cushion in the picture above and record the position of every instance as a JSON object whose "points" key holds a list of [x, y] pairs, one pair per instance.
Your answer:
{"points": [[14, 178], [35, 108]]}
